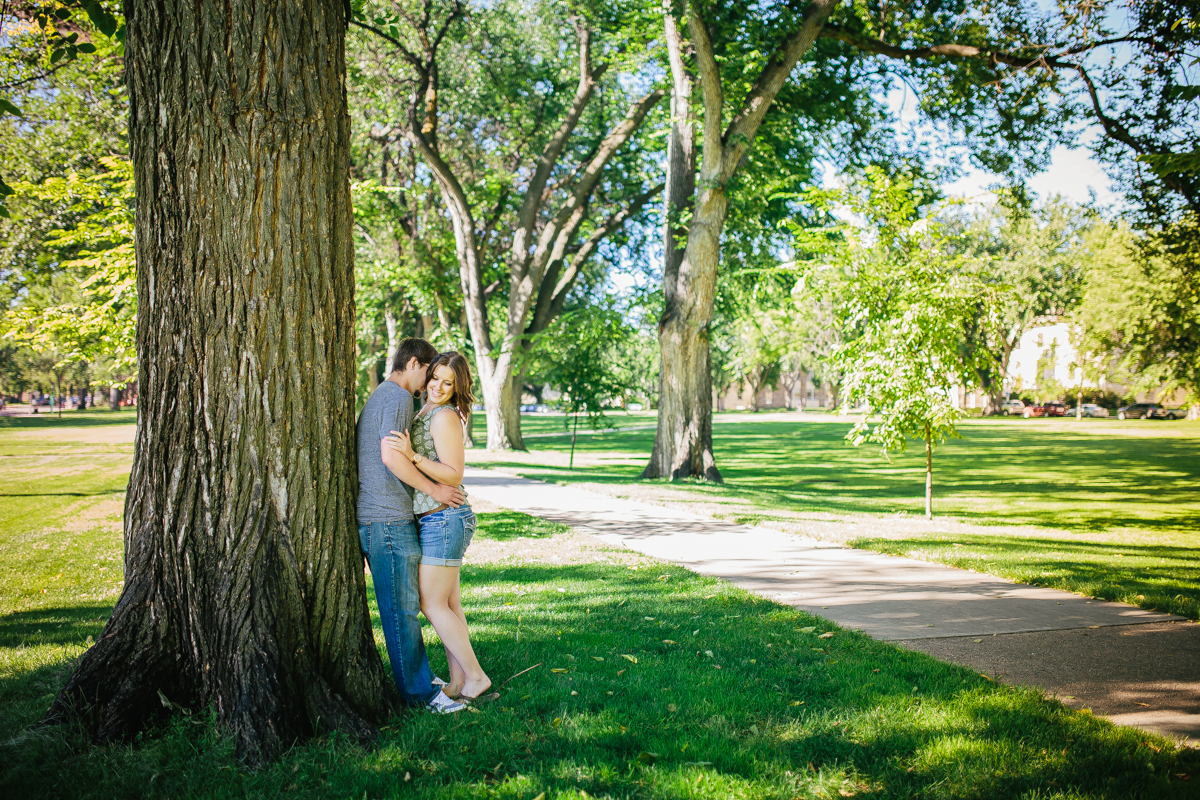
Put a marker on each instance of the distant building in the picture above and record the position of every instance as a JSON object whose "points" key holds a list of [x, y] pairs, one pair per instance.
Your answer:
{"points": [[1044, 356], [805, 393]]}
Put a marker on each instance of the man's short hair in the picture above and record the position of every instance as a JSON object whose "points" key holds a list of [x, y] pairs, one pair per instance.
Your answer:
{"points": [[411, 348]]}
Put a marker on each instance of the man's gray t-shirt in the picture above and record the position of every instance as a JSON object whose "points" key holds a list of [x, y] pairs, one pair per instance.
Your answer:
{"points": [[382, 497]]}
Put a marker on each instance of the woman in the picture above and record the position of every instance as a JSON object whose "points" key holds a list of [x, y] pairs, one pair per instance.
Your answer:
{"points": [[436, 448]]}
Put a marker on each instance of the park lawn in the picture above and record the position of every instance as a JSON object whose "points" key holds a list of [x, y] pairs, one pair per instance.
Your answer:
{"points": [[647, 681], [539, 425], [715, 693], [1103, 508]]}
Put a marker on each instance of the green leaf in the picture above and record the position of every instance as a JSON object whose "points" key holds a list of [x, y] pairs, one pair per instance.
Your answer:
{"points": [[86, 48], [1166, 163], [105, 22], [5, 189], [4, 212], [57, 55], [8, 108]]}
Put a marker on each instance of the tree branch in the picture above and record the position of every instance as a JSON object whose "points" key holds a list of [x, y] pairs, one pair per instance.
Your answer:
{"points": [[710, 84], [557, 283], [527, 216], [409, 56], [743, 128]]}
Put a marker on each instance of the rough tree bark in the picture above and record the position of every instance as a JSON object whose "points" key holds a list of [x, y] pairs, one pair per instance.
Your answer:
{"points": [[244, 586], [683, 441]]}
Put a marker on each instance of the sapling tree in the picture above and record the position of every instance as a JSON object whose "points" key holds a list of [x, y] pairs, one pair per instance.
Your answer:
{"points": [[901, 302], [579, 350]]}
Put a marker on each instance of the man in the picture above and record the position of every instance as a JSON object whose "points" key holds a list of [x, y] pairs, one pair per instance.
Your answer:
{"points": [[387, 529]]}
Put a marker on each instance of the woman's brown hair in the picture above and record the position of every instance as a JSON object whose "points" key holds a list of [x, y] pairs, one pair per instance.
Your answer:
{"points": [[463, 396]]}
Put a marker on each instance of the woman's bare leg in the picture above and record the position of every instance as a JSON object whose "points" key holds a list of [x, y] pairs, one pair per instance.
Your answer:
{"points": [[438, 584]]}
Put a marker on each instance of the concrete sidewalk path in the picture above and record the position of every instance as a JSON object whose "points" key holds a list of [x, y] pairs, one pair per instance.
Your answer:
{"points": [[917, 604]]}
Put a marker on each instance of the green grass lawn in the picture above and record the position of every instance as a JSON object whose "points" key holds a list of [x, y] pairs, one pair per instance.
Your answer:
{"points": [[540, 424], [647, 681], [1119, 499]]}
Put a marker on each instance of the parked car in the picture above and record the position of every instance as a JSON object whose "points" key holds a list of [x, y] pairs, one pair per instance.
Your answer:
{"points": [[1051, 409], [1089, 410], [1013, 406], [1162, 412], [1137, 411]]}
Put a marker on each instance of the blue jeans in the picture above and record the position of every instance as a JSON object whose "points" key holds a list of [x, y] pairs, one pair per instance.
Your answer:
{"points": [[445, 536], [394, 553]]}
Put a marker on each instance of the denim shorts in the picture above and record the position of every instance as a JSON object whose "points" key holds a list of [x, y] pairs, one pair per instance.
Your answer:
{"points": [[445, 536]]}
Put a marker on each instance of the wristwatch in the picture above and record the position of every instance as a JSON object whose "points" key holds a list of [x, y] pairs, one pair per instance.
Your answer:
{"points": [[417, 458]]}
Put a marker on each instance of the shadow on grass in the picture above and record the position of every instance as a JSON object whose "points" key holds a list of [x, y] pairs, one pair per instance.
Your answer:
{"points": [[56, 626], [505, 526], [58, 494], [656, 682], [674, 725], [1158, 577], [1000, 472], [70, 419]]}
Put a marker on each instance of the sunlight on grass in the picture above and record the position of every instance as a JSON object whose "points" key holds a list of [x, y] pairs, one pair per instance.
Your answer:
{"points": [[1116, 500], [648, 681]]}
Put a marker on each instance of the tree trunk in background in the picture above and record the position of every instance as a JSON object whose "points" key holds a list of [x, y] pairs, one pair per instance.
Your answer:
{"points": [[928, 473], [393, 334], [996, 395], [244, 586], [683, 439], [683, 442], [510, 409]]}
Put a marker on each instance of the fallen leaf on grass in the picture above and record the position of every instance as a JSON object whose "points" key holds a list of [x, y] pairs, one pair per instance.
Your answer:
{"points": [[647, 757], [708, 653], [597, 658], [620, 671], [809, 629], [629, 658], [541, 796], [672, 707], [668, 641], [664, 577], [985, 677], [558, 669], [796, 703], [651, 619], [826, 635]]}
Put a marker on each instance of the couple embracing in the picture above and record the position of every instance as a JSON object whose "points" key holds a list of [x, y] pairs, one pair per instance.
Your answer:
{"points": [[414, 522]]}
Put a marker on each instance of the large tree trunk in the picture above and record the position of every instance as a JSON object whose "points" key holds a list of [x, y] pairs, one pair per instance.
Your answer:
{"points": [[244, 586], [683, 441], [510, 409]]}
